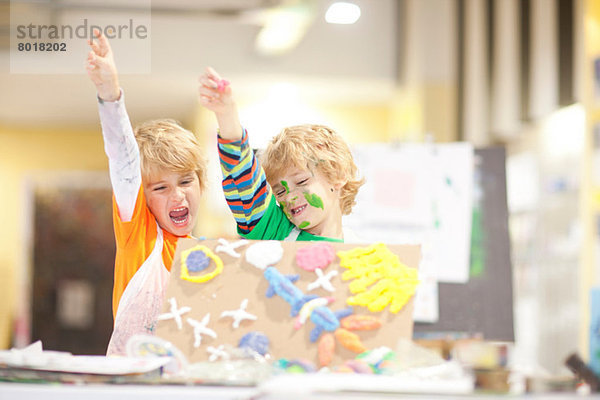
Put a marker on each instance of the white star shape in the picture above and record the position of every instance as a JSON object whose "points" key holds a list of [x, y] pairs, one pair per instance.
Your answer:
{"points": [[201, 329], [239, 315], [323, 281], [229, 248], [175, 313], [217, 352]]}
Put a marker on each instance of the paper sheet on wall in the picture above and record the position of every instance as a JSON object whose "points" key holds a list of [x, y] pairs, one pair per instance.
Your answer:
{"points": [[419, 193]]}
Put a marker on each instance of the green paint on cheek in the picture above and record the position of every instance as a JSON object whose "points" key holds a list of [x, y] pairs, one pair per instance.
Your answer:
{"points": [[304, 225], [284, 207], [285, 186], [314, 200]]}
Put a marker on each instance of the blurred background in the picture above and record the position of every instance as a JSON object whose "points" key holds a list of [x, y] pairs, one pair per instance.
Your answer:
{"points": [[521, 75]]}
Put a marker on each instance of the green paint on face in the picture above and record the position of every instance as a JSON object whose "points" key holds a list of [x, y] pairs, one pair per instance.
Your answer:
{"points": [[285, 186], [304, 224], [284, 207], [314, 200]]}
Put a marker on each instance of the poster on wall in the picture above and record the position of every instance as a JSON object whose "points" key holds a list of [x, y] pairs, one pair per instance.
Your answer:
{"points": [[419, 193]]}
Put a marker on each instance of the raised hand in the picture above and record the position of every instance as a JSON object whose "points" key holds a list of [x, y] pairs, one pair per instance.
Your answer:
{"points": [[101, 68], [216, 95]]}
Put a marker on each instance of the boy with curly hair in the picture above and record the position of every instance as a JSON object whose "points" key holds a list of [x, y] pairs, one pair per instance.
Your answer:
{"points": [[312, 178], [157, 175]]}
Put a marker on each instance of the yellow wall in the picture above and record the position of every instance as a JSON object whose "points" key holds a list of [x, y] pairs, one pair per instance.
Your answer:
{"points": [[23, 154]]}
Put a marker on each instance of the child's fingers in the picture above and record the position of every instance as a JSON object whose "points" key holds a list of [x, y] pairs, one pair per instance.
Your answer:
{"points": [[103, 44], [92, 42], [91, 59], [213, 74], [205, 99], [207, 82], [207, 94], [216, 81], [99, 63], [93, 45], [223, 86], [94, 60]]}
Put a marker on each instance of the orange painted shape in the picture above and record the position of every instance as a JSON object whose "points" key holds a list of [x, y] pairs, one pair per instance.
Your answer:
{"points": [[326, 349], [349, 340], [360, 322]]}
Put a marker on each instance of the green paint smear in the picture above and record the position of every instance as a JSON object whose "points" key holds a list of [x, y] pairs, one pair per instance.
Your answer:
{"points": [[314, 200], [283, 205], [478, 252], [304, 225], [436, 218], [285, 186]]}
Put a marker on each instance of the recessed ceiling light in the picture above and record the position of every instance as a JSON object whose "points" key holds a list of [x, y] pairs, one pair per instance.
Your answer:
{"points": [[342, 12]]}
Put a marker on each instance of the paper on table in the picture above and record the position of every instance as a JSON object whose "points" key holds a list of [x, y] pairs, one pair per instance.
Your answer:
{"points": [[34, 357]]}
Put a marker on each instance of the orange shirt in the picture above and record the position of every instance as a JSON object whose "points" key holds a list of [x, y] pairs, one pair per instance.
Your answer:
{"points": [[135, 241]]}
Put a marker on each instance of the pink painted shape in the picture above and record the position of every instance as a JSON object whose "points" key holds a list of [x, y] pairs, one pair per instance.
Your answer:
{"points": [[222, 84], [314, 256]]}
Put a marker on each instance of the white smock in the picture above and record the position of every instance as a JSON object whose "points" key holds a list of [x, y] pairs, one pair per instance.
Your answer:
{"points": [[141, 301]]}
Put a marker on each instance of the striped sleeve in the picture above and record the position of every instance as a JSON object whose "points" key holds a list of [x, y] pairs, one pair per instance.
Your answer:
{"points": [[244, 182]]}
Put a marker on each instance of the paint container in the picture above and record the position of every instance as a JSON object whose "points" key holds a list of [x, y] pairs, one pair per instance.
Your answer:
{"points": [[153, 346], [492, 379]]}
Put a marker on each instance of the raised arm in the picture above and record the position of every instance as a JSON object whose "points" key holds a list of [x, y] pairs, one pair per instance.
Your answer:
{"points": [[216, 95], [244, 183], [101, 68], [119, 141]]}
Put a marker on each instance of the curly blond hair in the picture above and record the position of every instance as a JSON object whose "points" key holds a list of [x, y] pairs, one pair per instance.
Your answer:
{"points": [[165, 144], [308, 146]]}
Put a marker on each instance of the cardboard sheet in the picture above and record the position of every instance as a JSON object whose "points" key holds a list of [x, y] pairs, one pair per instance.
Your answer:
{"points": [[240, 280]]}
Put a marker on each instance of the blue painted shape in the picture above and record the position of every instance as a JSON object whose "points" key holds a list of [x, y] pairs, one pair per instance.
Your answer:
{"points": [[343, 313], [315, 333], [325, 318], [282, 286], [256, 341], [197, 261], [300, 303]]}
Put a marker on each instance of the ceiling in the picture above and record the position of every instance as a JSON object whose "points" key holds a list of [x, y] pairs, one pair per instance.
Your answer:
{"points": [[331, 63]]}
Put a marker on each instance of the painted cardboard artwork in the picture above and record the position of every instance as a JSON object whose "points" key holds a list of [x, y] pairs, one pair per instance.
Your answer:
{"points": [[323, 302]]}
